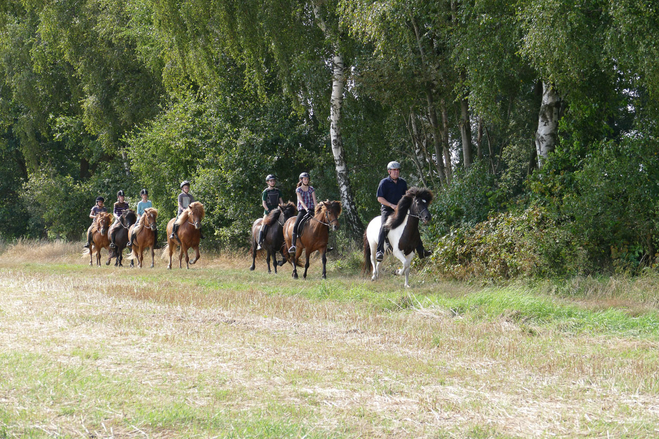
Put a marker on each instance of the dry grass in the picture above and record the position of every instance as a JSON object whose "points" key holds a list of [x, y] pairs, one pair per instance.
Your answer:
{"points": [[220, 351]]}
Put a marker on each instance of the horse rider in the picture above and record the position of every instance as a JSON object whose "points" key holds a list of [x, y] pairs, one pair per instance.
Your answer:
{"points": [[185, 199], [96, 209], [390, 190], [119, 208], [270, 199], [306, 203], [144, 204]]}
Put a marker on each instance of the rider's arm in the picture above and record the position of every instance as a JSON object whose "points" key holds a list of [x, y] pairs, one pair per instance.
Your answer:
{"points": [[91, 214], [265, 206], [384, 202]]}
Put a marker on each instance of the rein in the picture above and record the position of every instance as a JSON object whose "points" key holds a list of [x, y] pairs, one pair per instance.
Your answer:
{"points": [[326, 217]]}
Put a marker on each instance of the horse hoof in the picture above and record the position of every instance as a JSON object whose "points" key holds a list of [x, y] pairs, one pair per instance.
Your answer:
{"points": [[251, 268]]}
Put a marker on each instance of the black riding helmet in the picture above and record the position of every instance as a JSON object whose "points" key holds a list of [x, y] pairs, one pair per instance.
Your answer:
{"points": [[100, 199], [185, 183], [120, 194], [144, 192]]}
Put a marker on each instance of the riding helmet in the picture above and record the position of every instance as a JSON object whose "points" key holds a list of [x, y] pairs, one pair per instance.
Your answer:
{"points": [[120, 193], [270, 177], [393, 165], [185, 183], [144, 192], [304, 174], [100, 199]]}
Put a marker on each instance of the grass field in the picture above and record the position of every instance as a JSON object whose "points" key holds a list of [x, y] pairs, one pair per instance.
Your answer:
{"points": [[219, 351]]}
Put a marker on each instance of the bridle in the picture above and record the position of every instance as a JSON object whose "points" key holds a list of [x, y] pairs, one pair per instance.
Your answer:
{"points": [[409, 213], [152, 225], [328, 223]]}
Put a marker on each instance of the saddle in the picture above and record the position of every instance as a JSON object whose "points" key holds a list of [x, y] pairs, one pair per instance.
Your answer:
{"points": [[305, 220]]}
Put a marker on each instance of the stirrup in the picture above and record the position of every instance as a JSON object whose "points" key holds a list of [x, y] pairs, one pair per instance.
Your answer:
{"points": [[86, 245], [379, 256], [292, 249], [113, 245], [258, 247]]}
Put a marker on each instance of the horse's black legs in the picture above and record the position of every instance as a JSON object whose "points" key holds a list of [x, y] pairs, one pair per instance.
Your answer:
{"points": [[306, 265], [324, 259], [267, 260], [274, 261]]}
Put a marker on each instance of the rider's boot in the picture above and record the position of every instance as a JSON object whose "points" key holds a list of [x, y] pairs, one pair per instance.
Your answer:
{"points": [[379, 254], [174, 234], [112, 244], [292, 249], [89, 240], [130, 240], [262, 233]]}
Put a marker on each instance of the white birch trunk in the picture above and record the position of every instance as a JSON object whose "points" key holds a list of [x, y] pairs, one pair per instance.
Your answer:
{"points": [[354, 224], [546, 136]]}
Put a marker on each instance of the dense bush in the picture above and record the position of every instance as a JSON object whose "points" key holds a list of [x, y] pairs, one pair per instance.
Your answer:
{"points": [[510, 245]]}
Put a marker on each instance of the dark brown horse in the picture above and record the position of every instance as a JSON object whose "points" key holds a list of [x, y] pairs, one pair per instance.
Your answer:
{"points": [[273, 241], [100, 237], [189, 234], [314, 234], [126, 220], [144, 231]]}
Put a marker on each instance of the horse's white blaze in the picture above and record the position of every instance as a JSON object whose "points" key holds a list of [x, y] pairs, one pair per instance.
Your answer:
{"points": [[372, 232]]}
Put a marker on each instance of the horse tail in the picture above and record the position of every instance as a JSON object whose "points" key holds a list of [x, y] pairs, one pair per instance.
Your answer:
{"points": [[165, 252], [85, 252], [132, 255], [367, 255]]}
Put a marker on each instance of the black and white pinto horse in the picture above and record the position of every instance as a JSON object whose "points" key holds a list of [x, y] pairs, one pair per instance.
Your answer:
{"points": [[403, 232]]}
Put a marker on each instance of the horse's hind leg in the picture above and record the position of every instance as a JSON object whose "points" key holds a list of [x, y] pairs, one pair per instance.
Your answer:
{"points": [[153, 263], [267, 260], [274, 261]]}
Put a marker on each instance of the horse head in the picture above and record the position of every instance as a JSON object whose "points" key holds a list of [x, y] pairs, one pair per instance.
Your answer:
{"points": [[421, 200], [149, 218], [196, 214], [328, 213], [103, 221], [128, 218], [289, 210]]}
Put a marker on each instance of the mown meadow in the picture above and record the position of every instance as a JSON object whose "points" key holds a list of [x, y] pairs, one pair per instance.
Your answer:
{"points": [[219, 351]]}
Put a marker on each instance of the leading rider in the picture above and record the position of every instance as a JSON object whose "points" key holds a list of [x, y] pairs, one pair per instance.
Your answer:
{"points": [[390, 190]]}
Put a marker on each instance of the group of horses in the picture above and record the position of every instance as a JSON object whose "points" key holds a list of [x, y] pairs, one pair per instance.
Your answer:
{"points": [[402, 226]]}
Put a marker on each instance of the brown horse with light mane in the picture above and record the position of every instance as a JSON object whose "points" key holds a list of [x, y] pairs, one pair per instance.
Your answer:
{"points": [[314, 234], [189, 234], [100, 237], [144, 236]]}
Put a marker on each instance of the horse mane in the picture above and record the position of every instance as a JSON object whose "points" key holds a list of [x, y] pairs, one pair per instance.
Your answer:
{"points": [[288, 209], [195, 208], [102, 215], [126, 215], [148, 211], [397, 218], [333, 206]]}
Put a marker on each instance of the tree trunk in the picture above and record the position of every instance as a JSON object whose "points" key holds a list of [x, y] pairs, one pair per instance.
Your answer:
{"points": [[465, 133], [437, 140], [546, 136], [446, 149], [479, 139], [418, 154], [354, 224]]}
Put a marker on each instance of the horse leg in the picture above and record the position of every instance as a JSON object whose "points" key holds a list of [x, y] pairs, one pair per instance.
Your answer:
{"points": [[180, 256], [196, 256], [153, 252], [171, 252], [91, 256], [295, 258], [274, 261], [267, 260], [324, 259], [306, 265]]}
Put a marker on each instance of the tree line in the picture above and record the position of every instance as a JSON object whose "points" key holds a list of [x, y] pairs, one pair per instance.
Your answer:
{"points": [[503, 108]]}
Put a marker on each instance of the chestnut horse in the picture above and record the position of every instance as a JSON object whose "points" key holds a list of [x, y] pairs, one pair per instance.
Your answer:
{"points": [[144, 231], [189, 234], [273, 241], [403, 232], [100, 237], [126, 220], [314, 234]]}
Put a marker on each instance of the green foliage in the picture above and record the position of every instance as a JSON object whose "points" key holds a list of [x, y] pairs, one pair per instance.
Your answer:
{"points": [[510, 245], [611, 203]]}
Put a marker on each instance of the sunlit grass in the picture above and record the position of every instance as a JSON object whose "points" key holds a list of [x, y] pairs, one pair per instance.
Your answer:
{"points": [[221, 351]]}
